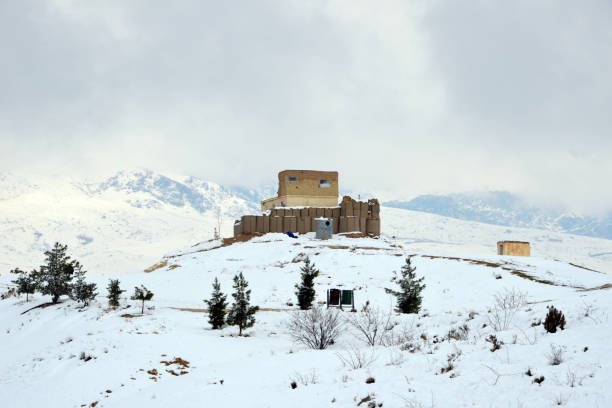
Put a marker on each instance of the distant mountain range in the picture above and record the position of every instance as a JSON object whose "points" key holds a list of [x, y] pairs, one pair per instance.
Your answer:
{"points": [[508, 209]]}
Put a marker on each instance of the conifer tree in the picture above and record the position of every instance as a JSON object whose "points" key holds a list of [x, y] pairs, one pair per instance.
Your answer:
{"points": [[305, 290], [114, 293], [242, 314], [216, 306], [55, 277], [81, 290], [143, 294], [26, 282], [409, 296]]}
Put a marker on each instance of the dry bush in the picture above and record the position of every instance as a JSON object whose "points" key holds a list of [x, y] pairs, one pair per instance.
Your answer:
{"points": [[459, 333], [495, 342], [507, 304], [354, 358], [451, 359], [556, 355], [372, 325], [396, 358], [304, 379], [316, 328]]}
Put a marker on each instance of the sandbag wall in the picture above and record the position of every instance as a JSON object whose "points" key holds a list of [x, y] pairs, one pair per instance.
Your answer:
{"points": [[350, 216]]}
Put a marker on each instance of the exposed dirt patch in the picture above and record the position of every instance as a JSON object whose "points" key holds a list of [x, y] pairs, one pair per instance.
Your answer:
{"points": [[583, 267], [177, 361], [157, 266], [601, 287], [129, 316], [171, 267], [41, 306]]}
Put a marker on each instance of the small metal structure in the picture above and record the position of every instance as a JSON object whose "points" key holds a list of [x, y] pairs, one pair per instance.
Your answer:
{"points": [[324, 228], [340, 298]]}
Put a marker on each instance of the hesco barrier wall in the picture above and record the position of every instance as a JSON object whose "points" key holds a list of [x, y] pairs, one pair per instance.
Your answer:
{"points": [[349, 216]]}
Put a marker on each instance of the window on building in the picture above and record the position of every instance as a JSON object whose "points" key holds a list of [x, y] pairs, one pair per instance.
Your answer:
{"points": [[292, 178], [324, 184]]}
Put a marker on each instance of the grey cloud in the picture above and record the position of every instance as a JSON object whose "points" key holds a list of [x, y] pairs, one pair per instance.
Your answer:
{"points": [[428, 94]]}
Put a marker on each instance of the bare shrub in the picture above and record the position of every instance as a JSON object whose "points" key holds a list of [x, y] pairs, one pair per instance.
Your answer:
{"points": [[396, 358], [370, 380], [571, 378], [399, 335], [556, 355], [354, 358], [507, 304], [451, 359], [561, 399], [372, 325], [304, 379], [459, 333], [495, 342], [316, 328]]}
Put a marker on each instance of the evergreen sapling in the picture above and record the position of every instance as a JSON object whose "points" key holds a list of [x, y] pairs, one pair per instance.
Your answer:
{"points": [[143, 294], [216, 306], [409, 296], [55, 277], [305, 290], [82, 291], [242, 314], [114, 293], [26, 282]]}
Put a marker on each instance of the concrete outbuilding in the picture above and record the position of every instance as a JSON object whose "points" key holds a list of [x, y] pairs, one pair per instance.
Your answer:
{"points": [[514, 248]]}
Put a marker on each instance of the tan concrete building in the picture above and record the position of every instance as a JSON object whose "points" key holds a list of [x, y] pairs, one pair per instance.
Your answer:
{"points": [[304, 188], [514, 248]]}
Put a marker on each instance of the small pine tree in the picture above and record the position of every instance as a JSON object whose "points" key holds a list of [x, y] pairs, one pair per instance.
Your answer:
{"points": [[82, 291], [55, 277], [143, 294], [26, 282], [305, 290], [242, 314], [216, 306], [114, 293], [554, 319], [409, 297]]}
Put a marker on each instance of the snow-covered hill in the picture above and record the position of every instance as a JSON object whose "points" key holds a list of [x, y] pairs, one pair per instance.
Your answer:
{"points": [[64, 356], [504, 208], [127, 221]]}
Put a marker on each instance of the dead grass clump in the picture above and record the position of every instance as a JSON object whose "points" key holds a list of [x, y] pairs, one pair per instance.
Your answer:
{"points": [[174, 266]]}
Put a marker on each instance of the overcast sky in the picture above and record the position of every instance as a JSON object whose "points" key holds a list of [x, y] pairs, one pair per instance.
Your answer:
{"points": [[402, 97]]}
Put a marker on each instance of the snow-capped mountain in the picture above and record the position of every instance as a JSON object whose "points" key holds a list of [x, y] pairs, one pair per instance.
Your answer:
{"points": [[120, 223], [504, 208]]}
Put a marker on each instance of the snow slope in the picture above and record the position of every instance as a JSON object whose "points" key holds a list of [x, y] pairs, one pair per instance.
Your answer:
{"points": [[44, 368], [430, 232]]}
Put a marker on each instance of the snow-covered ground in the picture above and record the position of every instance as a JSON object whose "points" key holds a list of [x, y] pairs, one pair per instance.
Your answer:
{"points": [[43, 366]]}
